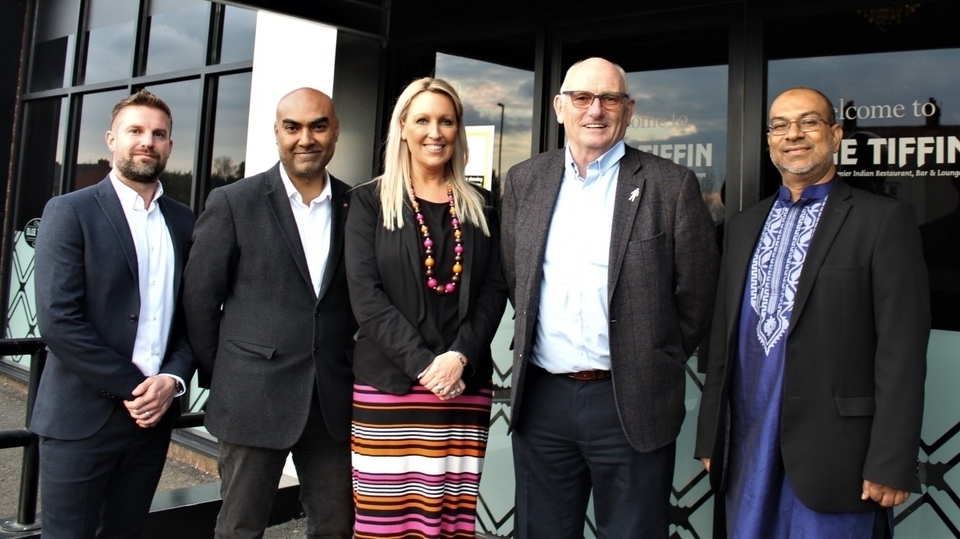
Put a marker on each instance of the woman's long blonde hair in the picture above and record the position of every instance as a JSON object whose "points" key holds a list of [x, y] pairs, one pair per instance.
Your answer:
{"points": [[395, 181]]}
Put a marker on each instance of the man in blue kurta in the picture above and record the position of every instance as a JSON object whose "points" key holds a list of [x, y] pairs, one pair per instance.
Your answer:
{"points": [[811, 411]]}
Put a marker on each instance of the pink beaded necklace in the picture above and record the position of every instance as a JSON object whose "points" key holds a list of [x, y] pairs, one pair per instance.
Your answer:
{"points": [[428, 262]]}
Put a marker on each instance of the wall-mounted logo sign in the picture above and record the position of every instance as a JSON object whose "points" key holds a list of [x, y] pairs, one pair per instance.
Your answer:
{"points": [[30, 231]]}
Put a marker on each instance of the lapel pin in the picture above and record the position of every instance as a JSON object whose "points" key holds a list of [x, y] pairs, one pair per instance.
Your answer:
{"points": [[634, 194]]}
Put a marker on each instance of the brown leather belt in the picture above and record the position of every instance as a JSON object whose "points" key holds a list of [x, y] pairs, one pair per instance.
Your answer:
{"points": [[588, 376]]}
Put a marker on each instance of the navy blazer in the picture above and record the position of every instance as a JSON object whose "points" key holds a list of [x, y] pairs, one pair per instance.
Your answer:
{"points": [[88, 302], [660, 285], [265, 340], [387, 291], [855, 353]]}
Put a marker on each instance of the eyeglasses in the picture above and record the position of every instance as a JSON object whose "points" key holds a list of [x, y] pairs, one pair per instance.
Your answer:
{"points": [[583, 100], [807, 124]]}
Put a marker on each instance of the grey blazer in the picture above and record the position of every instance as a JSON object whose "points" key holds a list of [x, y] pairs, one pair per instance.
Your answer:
{"points": [[274, 341], [661, 282], [88, 301]]}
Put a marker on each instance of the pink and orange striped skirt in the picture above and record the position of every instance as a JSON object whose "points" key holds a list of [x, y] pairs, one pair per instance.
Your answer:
{"points": [[417, 462]]}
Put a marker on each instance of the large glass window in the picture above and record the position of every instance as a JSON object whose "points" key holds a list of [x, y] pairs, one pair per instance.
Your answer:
{"points": [[682, 116], [496, 96], [55, 45], [178, 35], [230, 132], [111, 30], [239, 26]]}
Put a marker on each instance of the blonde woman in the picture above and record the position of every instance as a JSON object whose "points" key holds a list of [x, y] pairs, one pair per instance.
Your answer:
{"points": [[423, 266]]}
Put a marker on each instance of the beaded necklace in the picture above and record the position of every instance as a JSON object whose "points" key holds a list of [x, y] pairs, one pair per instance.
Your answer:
{"points": [[428, 261]]}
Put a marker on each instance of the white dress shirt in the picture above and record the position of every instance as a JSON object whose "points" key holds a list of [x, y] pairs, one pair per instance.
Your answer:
{"points": [[313, 222], [572, 329], [155, 270]]}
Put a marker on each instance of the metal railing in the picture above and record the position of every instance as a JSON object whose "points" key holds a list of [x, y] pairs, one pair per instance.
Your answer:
{"points": [[30, 469], [26, 519]]}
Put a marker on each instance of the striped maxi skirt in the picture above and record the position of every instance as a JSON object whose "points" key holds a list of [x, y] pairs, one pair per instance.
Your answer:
{"points": [[417, 462]]}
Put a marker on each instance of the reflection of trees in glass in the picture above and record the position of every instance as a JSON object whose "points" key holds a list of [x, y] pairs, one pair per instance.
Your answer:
{"points": [[176, 185], [224, 171]]}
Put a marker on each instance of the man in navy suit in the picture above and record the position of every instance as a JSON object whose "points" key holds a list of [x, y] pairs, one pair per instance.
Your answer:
{"points": [[810, 419], [109, 260]]}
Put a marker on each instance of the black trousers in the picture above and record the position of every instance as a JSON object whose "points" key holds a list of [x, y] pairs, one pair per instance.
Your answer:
{"points": [[102, 486], [568, 444], [249, 477]]}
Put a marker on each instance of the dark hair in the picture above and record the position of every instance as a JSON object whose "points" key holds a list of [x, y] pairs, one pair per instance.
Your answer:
{"points": [[141, 98]]}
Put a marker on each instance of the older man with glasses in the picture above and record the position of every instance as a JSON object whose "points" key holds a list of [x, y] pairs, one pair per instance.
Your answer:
{"points": [[811, 411], [611, 261]]}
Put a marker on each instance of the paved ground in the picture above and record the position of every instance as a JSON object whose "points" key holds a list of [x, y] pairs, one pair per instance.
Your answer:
{"points": [[176, 474]]}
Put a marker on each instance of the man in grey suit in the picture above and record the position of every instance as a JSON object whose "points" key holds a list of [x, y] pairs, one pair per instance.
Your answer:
{"points": [[611, 261], [108, 269], [269, 318]]}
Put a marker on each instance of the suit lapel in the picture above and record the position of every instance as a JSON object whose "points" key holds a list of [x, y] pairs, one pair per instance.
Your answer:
{"points": [[279, 204], [544, 190], [834, 212], [110, 205], [338, 218], [173, 227], [625, 205]]}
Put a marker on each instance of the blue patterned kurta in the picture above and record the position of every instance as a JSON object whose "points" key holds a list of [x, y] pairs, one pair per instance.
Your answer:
{"points": [[760, 501]]}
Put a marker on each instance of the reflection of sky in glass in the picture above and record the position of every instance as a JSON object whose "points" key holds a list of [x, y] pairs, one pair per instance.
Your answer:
{"points": [[233, 105], [56, 37], [184, 101], [877, 79], [178, 38], [109, 53], [92, 146], [239, 28], [481, 86], [681, 107]]}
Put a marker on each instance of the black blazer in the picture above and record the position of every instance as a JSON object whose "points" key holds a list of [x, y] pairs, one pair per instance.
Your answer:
{"points": [[275, 341], [856, 351], [387, 291], [88, 301]]}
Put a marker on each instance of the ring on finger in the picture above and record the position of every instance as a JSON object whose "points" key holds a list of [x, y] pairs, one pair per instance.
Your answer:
{"points": [[440, 389], [147, 413]]}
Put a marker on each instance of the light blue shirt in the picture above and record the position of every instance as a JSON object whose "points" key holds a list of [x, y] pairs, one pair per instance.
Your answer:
{"points": [[572, 325]]}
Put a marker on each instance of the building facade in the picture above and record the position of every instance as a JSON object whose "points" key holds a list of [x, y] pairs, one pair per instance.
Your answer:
{"points": [[702, 72]]}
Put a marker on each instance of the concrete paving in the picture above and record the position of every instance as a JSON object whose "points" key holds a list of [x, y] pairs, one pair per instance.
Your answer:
{"points": [[176, 473]]}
